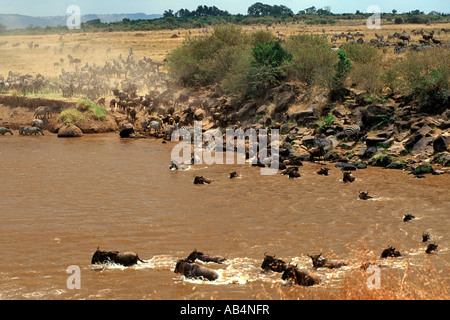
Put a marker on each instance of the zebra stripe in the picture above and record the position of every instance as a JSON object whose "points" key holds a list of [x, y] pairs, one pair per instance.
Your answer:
{"points": [[349, 132]]}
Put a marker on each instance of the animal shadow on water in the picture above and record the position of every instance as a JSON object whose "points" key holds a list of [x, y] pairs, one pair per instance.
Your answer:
{"points": [[194, 271], [123, 258], [204, 257]]}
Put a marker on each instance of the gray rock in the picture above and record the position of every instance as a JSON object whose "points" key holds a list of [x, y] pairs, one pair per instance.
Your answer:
{"points": [[70, 132]]}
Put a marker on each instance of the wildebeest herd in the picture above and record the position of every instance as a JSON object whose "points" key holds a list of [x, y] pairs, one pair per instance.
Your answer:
{"points": [[400, 41], [289, 272]]}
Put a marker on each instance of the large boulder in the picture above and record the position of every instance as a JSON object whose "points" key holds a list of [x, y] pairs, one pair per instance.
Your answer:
{"points": [[284, 100], [441, 143], [70, 132], [374, 114]]}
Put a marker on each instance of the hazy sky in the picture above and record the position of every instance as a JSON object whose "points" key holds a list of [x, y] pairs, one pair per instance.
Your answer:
{"points": [[59, 7]]}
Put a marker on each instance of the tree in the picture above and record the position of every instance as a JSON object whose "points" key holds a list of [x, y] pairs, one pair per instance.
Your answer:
{"points": [[311, 10], [168, 13], [394, 12]]}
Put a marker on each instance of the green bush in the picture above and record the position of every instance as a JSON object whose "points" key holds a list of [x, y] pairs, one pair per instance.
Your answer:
{"points": [[425, 78], [205, 60], [70, 117], [97, 112], [268, 68], [337, 82], [312, 60]]}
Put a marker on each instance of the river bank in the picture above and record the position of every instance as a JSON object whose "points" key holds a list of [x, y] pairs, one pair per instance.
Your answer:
{"points": [[394, 134]]}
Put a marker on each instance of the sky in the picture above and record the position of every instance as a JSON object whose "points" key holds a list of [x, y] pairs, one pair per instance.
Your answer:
{"points": [[59, 7]]}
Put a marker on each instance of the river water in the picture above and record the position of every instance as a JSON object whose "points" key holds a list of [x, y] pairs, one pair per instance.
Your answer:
{"points": [[60, 199]]}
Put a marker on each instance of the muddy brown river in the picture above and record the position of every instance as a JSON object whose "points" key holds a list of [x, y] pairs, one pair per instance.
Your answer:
{"points": [[60, 199]]}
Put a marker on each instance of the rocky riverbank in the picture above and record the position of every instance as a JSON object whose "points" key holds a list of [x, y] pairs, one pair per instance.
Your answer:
{"points": [[394, 133]]}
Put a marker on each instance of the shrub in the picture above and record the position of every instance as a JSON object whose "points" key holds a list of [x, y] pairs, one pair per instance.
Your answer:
{"points": [[267, 68], [70, 117], [206, 60], [97, 112], [425, 78], [312, 60], [337, 82], [367, 67]]}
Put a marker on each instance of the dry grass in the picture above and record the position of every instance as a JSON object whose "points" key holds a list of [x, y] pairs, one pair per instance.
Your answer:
{"points": [[153, 44]]}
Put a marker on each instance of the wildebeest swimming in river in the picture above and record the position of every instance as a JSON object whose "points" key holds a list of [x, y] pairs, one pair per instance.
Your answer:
{"points": [[431, 247], [364, 195], [321, 262], [270, 263], [204, 257], [347, 177], [201, 180], [193, 270], [408, 217], [300, 277], [323, 171], [234, 174], [390, 252], [124, 258], [425, 237]]}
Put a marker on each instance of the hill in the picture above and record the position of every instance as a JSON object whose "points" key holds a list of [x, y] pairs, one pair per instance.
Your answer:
{"points": [[17, 21]]}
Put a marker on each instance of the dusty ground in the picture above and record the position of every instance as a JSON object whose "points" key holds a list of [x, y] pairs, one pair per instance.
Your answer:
{"points": [[93, 47]]}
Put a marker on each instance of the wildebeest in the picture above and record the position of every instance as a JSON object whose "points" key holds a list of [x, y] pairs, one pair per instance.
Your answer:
{"points": [[201, 180], [408, 217], [347, 177], [404, 37], [124, 258], [321, 262], [234, 174], [292, 172], [193, 270], [314, 153], [364, 195], [300, 277], [431, 247], [323, 171], [4, 130], [390, 252], [174, 165], [204, 257], [270, 263], [425, 237]]}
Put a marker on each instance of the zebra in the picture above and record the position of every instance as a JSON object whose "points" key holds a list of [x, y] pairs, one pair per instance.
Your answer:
{"points": [[350, 131], [156, 125], [169, 129]]}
